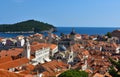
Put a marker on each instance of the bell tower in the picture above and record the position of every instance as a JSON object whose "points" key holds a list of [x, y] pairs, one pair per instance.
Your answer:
{"points": [[70, 57], [27, 49], [49, 37], [72, 34]]}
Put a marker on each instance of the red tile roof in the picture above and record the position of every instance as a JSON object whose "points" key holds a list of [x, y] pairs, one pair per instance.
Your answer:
{"points": [[1, 39], [52, 46], [14, 63], [5, 59], [78, 35], [50, 67], [11, 52], [98, 75], [37, 35], [30, 67], [38, 46], [5, 73]]}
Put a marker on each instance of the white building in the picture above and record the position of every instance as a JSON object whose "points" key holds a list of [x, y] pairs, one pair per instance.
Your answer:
{"points": [[78, 37], [4, 41], [53, 49], [40, 52], [20, 41], [37, 52], [84, 66]]}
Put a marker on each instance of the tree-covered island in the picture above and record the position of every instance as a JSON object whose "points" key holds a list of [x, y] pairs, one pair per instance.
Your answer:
{"points": [[29, 26]]}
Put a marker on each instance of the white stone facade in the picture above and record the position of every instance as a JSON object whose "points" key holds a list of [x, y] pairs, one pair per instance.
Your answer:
{"points": [[41, 56], [54, 51]]}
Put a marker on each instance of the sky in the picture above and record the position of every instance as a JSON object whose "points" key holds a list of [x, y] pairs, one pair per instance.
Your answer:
{"points": [[62, 13]]}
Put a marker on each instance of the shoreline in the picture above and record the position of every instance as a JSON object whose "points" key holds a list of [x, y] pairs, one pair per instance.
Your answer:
{"points": [[19, 32], [44, 31]]}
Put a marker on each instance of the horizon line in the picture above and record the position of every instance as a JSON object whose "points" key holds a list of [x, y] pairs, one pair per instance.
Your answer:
{"points": [[91, 26]]}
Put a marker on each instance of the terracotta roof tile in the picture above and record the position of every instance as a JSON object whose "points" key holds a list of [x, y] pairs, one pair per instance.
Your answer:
{"points": [[52, 67], [1, 39], [98, 75], [14, 63], [5, 59], [11, 52], [78, 35], [54, 64], [30, 67], [52, 46], [38, 46], [5, 73], [37, 35], [28, 75]]}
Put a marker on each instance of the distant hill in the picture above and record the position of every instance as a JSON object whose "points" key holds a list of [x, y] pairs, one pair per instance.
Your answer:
{"points": [[26, 26]]}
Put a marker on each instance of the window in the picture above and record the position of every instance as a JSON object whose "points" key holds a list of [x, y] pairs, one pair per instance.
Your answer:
{"points": [[70, 56]]}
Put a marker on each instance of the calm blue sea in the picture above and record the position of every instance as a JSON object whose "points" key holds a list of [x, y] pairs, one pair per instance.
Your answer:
{"points": [[67, 30]]}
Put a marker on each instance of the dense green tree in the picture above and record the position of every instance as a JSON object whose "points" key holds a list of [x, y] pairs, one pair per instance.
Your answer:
{"points": [[30, 25], [62, 34], [73, 73], [115, 68], [108, 34]]}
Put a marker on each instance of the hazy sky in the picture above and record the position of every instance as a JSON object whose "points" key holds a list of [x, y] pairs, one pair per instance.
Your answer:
{"points": [[81, 13]]}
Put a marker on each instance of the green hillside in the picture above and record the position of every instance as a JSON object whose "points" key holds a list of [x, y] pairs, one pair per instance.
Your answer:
{"points": [[26, 26]]}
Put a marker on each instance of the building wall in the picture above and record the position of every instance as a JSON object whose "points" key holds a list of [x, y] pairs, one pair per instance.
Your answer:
{"points": [[41, 55], [54, 51]]}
